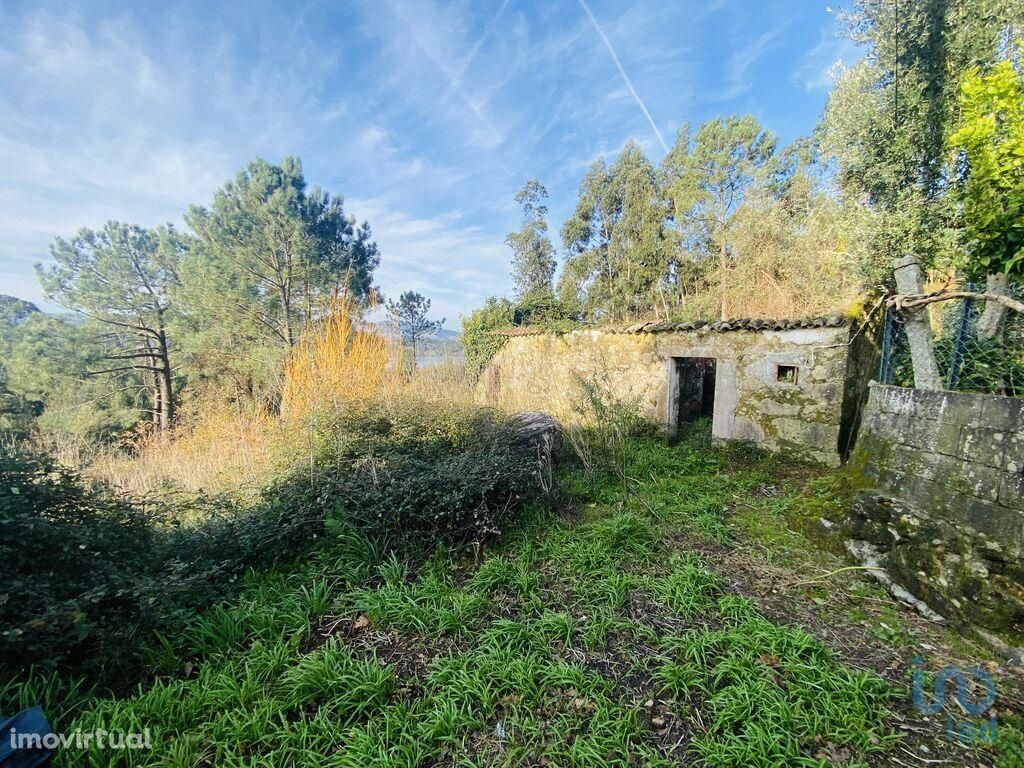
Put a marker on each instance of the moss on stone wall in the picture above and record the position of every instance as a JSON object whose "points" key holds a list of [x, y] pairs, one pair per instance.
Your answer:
{"points": [[540, 373], [930, 505]]}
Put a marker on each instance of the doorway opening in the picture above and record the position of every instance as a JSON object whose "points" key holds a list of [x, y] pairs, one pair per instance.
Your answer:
{"points": [[694, 390]]}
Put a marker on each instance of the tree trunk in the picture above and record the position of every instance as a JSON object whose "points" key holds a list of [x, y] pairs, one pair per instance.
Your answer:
{"points": [[166, 386], [993, 319], [286, 320], [723, 265], [919, 330], [154, 398]]}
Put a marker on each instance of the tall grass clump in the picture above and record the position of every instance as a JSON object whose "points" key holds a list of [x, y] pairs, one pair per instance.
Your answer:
{"points": [[603, 425], [217, 447], [339, 362]]}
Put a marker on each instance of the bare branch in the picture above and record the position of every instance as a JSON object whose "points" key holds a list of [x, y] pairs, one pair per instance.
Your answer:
{"points": [[902, 301]]}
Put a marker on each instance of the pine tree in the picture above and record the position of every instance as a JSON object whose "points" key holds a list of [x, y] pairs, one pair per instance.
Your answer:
{"points": [[410, 315]]}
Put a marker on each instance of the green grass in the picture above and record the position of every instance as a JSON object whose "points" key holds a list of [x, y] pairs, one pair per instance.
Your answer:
{"points": [[594, 638]]}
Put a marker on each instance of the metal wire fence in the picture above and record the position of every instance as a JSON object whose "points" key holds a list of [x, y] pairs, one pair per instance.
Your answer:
{"points": [[968, 362]]}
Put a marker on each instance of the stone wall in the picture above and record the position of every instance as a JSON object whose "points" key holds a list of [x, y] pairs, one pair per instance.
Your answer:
{"points": [[541, 372], [941, 506]]}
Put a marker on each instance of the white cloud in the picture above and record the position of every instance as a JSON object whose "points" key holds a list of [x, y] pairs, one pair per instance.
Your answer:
{"points": [[428, 63], [453, 264], [625, 78], [817, 69], [95, 130], [740, 63]]}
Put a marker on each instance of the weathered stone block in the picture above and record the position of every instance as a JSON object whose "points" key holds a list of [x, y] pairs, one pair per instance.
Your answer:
{"points": [[871, 422], [893, 399], [953, 408], [932, 466], [1011, 491], [914, 431], [973, 479], [991, 519], [936, 404], [990, 447], [952, 528], [1004, 414]]}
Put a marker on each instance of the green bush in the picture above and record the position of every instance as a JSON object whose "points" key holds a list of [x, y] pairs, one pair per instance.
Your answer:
{"points": [[428, 470], [70, 555], [86, 569], [90, 575]]}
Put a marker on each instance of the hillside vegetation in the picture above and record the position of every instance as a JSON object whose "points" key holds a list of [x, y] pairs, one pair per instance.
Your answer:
{"points": [[653, 623], [238, 515]]}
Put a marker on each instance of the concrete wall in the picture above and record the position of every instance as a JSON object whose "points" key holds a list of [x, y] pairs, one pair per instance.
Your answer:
{"points": [[942, 502], [541, 372]]}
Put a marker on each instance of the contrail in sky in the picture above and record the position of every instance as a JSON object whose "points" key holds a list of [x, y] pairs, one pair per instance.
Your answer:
{"points": [[625, 77], [480, 41]]}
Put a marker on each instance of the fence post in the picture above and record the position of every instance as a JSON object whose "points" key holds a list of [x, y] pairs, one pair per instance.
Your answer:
{"points": [[920, 337], [957, 358]]}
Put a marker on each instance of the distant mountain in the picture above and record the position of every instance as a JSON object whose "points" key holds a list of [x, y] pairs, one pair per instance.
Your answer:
{"points": [[14, 310]]}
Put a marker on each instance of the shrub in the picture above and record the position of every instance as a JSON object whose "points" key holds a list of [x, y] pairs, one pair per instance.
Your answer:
{"points": [[91, 575], [427, 470], [87, 569], [69, 556], [337, 361]]}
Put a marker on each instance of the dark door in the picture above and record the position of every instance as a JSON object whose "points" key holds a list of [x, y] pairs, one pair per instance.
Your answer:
{"points": [[695, 388]]}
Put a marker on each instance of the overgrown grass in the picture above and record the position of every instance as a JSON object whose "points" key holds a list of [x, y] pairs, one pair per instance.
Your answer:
{"points": [[592, 638], [419, 474]]}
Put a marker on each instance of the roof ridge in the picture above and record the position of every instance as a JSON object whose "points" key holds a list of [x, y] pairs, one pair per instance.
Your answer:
{"points": [[834, 320]]}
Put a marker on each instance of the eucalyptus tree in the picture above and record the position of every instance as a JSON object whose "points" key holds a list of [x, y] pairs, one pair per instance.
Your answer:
{"points": [[533, 256], [120, 278], [618, 260]]}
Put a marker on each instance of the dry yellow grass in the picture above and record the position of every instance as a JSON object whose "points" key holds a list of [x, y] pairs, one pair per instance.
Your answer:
{"points": [[338, 364], [226, 450]]}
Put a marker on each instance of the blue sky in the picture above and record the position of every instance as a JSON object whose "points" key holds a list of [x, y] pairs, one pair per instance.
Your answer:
{"points": [[426, 116]]}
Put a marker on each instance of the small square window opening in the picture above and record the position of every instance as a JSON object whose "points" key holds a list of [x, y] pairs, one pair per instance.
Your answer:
{"points": [[786, 374]]}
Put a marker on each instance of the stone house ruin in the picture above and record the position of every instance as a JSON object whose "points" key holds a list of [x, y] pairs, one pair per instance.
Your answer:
{"points": [[791, 385]]}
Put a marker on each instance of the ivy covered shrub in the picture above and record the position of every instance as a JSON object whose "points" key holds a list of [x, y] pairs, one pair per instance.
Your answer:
{"points": [[87, 571], [479, 339], [90, 575], [70, 557], [428, 470]]}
